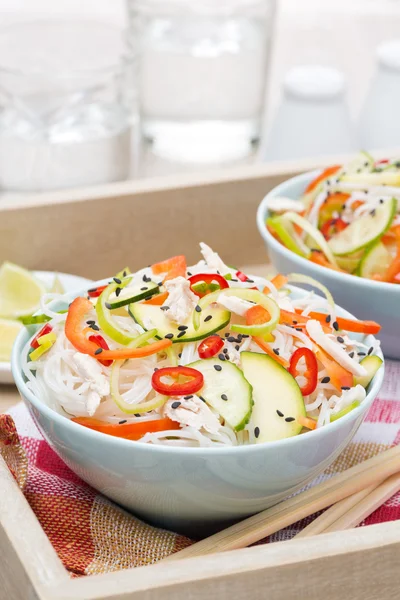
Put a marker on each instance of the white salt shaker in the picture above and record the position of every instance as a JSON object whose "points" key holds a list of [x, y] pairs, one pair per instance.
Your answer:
{"points": [[379, 124], [313, 118]]}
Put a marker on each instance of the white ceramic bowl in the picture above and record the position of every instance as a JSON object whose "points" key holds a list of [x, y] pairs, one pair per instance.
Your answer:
{"points": [[191, 490], [69, 282], [367, 299]]}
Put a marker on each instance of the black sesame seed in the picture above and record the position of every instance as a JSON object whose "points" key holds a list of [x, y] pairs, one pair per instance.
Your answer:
{"points": [[237, 347], [227, 335], [295, 322], [91, 322], [155, 369], [276, 351], [381, 201], [208, 318], [146, 279], [117, 291], [180, 355], [182, 327], [245, 335], [371, 349], [225, 350], [279, 413], [159, 283], [325, 379], [231, 338], [340, 339], [122, 422], [201, 398], [249, 280], [138, 415], [124, 274], [335, 326], [239, 337], [227, 356], [345, 387], [289, 419], [169, 336], [180, 334], [198, 308], [143, 289], [328, 318], [234, 279], [343, 206], [188, 397], [351, 354], [164, 307], [108, 305], [221, 356], [176, 404], [92, 290], [256, 432], [95, 327], [189, 273], [98, 351], [372, 212], [360, 353], [224, 397], [218, 367], [117, 280], [298, 329]]}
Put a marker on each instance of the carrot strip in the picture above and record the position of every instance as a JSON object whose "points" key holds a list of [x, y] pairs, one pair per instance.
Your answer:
{"points": [[264, 346], [129, 431], [307, 422], [340, 377], [278, 281], [157, 299], [318, 258], [324, 175], [172, 267], [348, 324]]}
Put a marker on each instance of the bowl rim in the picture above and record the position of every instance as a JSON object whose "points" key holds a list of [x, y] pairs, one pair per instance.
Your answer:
{"points": [[262, 214], [63, 421]]}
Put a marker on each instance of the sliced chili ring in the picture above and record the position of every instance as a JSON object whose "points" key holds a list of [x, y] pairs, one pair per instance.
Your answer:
{"points": [[210, 346], [311, 372], [96, 292], [333, 226], [101, 342], [195, 383], [207, 278]]}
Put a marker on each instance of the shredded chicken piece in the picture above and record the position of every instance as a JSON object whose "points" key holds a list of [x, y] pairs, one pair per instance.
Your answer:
{"points": [[193, 412], [213, 260], [181, 300], [234, 304]]}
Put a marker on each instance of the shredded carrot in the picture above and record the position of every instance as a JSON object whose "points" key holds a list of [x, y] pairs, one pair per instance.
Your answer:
{"points": [[278, 281], [324, 175], [307, 422], [157, 300], [367, 327], [264, 346], [171, 268], [318, 258]]}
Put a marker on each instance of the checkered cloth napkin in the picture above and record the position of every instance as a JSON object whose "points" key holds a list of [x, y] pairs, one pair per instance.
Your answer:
{"points": [[92, 535]]}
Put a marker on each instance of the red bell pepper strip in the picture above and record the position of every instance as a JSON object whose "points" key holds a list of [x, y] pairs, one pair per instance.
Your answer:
{"points": [[96, 292], [311, 372], [333, 226], [324, 175], [210, 346], [101, 342], [76, 335], [207, 278], [192, 386], [129, 431], [367, 327], [338, 374], [44, 331], [171, 268]]}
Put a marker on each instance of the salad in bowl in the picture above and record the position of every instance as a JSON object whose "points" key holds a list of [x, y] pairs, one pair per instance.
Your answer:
{"points": [[199, 356], [347, 219]]}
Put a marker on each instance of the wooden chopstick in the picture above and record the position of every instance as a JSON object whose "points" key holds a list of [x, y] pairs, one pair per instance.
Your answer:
{"points": [[255, 528]]}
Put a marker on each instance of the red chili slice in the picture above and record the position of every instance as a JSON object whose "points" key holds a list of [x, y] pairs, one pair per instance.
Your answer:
{"points": [[207, 278], [96, 292], [184, 388], [333, 226], [241, 276], [101, 342], [44, 331], [311, 373], [210, 346]]}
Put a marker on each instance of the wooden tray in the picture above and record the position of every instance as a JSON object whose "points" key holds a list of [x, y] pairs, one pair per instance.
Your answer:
{"points": [[95, 232]]}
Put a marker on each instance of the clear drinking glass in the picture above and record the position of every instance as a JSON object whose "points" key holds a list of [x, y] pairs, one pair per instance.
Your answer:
{"points": [[66, 105], [202, 68], [313, 118]]}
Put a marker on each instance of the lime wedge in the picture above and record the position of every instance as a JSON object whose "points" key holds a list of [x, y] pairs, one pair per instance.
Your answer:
{"points": [[8, 332], [20, 291]]}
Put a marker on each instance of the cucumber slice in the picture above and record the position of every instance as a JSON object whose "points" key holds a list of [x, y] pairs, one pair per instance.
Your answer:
{"points": [[372, 364], [344, 411], [229, 382], [150, 317], [364, 230], [287, 235], [350, 262], [366, 179], [134, 294], [274, 389], [376, 260], [363, 163]]}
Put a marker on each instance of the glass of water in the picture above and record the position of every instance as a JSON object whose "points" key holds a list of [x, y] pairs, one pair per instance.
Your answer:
{"points": [[66, 105], [202, 68]]}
